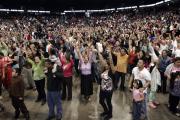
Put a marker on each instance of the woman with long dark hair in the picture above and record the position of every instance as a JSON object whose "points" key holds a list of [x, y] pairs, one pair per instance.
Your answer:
{"points": [[106, 87], [67, 65]]}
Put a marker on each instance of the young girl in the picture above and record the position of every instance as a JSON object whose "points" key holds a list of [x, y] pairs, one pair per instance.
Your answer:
{"points": [[16, 92], [138, 97]]}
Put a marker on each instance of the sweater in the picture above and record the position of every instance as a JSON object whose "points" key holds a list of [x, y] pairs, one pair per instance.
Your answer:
{"points": [[67, 67], [17, 87], [38, 69]]}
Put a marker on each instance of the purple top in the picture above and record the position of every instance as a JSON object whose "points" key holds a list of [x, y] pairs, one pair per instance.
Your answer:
{"points": [[85, 68]]}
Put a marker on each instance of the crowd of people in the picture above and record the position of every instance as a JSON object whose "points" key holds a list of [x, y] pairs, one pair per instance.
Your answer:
{"points": [[141, 50]]}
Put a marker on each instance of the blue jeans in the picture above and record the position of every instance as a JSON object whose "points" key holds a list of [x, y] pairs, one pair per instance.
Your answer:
{"points": [[144, 105], [137, 110], [54, 99]]}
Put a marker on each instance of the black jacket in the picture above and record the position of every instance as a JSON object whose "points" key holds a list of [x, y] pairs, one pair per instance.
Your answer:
{"points": [[54, 80]]}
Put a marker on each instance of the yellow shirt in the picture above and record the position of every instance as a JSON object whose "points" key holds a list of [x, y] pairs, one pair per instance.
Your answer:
{"points": [[122, 62]]}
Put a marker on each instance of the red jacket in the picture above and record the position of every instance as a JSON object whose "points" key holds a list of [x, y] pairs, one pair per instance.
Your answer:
{"points": [[67, 67]]}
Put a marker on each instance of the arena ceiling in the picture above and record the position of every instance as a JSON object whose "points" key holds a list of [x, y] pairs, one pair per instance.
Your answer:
{"points": [[71, 4]]}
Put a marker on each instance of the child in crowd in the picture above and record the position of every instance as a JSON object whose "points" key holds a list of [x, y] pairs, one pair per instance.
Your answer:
{"points": [[138, 97], [16, 92]]}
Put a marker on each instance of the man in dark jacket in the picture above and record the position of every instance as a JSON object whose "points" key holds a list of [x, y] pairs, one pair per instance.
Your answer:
{"points": [[54, 75], [16, 92]]}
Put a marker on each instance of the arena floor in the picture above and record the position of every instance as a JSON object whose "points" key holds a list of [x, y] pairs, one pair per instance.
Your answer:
{"points": [[76, 110]]}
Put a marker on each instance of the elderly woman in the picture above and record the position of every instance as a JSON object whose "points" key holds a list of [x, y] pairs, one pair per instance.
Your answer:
{"points": [[86, 75]]}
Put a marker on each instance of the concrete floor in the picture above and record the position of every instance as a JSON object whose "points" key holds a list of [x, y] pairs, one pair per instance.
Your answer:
{"points": [[77, 110]]}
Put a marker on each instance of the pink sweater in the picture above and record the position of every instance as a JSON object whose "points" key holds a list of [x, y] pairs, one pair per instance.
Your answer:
{"points": [[67, 67]]}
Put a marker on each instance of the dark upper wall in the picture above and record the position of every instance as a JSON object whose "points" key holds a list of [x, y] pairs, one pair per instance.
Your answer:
{"points": [[69, 4]]}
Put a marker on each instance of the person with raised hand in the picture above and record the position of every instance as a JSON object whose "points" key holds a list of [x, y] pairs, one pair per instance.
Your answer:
{"points": [[67, 65], [85, 65], [106, 87], [38, 65]]}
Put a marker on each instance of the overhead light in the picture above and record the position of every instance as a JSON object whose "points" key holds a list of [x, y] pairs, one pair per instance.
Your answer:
{"points": [[122, 8], [161, 2], [63, 13], [134, 7], [150, 5], [44, 11], [15, 10], [130, 7], [32, 11], [4, 10], [167, 0], [37, 11], [74, 11]]}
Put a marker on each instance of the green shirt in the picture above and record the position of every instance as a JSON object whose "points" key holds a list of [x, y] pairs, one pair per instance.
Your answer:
{"points": [[4, 49], [38, 69]]}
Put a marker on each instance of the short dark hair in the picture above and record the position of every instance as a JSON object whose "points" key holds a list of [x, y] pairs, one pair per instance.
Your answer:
{"points": [[165, 51], [17, 70], [139, 83], [1, 54], [49, 61], [142, 60], [176, 59]]}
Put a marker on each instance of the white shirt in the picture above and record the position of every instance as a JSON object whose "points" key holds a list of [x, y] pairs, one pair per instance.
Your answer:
{"points": [[142, 75], [163, 47], [177, 53], [174, 43], [100, 47], [171, 28]]}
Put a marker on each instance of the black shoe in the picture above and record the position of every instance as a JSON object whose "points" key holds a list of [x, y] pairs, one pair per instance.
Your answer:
{"points": [[2, 109], [63, 98], [29, 88], [86, 98], [115, 88], [59, 117], [108, 117], [27, 117], [43, 102], [38, 100], [103, 114], [17, 113], [69, 99], [50, 118], [122, 88]]}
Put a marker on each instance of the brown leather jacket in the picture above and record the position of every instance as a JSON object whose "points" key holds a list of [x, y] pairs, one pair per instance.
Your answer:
{"points": [[17, 87]]}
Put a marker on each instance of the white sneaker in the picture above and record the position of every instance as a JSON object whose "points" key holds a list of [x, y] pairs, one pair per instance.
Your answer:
{"points": [[1, 97]]}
